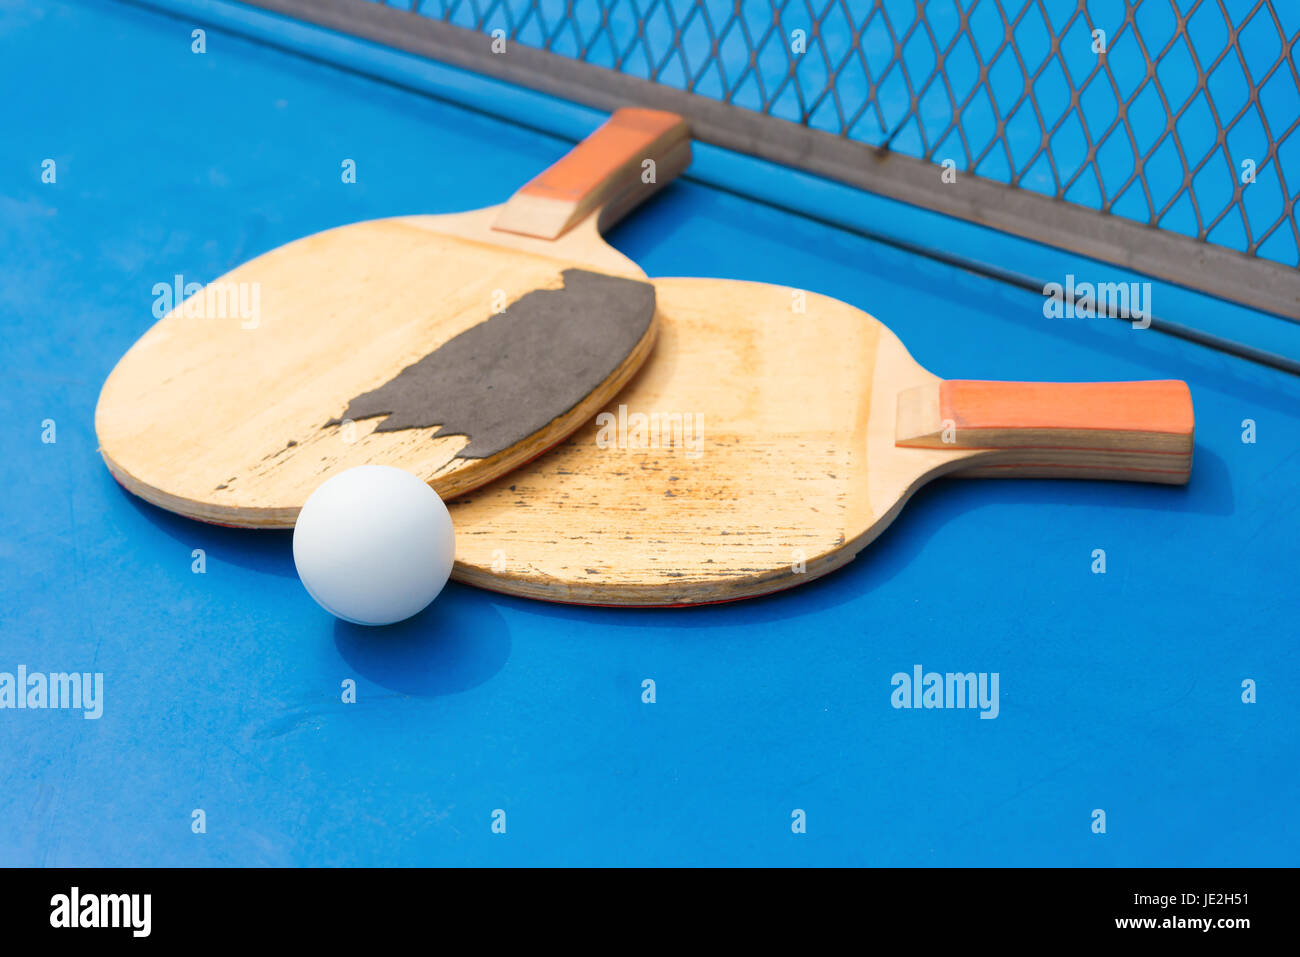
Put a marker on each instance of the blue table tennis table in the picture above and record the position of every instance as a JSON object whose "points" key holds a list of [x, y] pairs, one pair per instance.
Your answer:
{"points": [[492, 730]]}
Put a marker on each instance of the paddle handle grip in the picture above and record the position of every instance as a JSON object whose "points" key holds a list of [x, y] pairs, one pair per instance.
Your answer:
{"points": [[1132, 431], [632, 155]]}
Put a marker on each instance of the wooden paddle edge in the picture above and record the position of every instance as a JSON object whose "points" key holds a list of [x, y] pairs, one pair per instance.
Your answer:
{"points": [[473, 473]]}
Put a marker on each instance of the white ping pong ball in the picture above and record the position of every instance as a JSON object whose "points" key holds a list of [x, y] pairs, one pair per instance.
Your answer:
{"points": [[373, 545]]}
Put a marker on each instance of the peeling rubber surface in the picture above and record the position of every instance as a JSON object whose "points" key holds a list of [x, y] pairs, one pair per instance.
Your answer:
{"points": [[507, 378]]}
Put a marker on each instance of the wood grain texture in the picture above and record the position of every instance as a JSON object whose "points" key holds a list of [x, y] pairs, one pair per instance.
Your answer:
{"points": [[217, 421], [795, 471]]}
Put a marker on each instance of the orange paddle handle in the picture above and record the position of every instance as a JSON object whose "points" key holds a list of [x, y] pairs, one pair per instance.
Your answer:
{"points": [[1137, 431], [632, 155], [1009, 411]]}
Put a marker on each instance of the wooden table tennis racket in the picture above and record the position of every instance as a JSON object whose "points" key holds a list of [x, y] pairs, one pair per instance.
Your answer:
{"points": [[454, 346], [762, 447]]}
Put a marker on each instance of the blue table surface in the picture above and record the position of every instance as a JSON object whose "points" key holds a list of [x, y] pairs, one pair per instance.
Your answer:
{"points": [[222, 691]]}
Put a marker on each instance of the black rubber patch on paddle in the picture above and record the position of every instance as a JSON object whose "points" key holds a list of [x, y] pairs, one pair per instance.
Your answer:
{"points": [[505, 379]]}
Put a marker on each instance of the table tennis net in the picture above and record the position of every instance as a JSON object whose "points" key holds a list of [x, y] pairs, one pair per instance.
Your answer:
{"points": [[1165, 128]]}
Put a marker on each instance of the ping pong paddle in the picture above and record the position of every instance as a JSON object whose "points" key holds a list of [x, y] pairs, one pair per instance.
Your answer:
{"points": [[762, 446], [454, 346]]}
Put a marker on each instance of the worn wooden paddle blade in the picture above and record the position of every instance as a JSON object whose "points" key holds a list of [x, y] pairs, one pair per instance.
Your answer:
{"points": [[761, 447], [454, 346]]}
